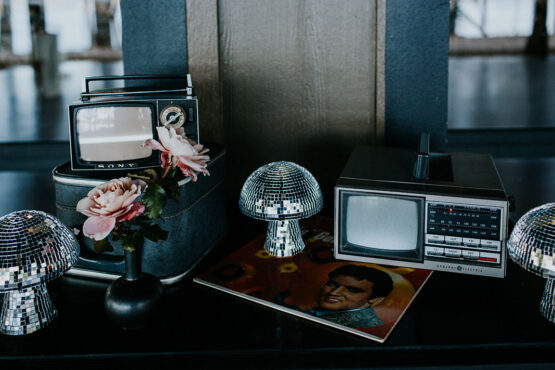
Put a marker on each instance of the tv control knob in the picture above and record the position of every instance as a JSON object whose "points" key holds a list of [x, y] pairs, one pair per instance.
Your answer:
{"points": [[173, 116]]}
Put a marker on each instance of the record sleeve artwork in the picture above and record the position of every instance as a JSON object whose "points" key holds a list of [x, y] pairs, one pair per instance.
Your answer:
{"points": [[314, 286]]}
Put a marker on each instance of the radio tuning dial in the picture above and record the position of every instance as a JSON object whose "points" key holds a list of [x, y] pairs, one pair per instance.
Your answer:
{"points": [[173, 116]]}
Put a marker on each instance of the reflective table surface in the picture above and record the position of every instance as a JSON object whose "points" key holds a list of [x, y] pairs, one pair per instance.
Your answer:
{"points": [[456, 320]]}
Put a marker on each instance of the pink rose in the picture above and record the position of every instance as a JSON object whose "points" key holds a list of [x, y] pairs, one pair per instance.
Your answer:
{"points": [[110, 202], [180, 151]]}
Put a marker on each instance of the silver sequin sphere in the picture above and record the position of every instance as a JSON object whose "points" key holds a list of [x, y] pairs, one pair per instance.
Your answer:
{"points": [[282, 193], [35, 247], [532, 246]]}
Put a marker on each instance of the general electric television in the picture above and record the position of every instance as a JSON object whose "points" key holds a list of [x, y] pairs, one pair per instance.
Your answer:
{"points": [[454, 218], [108, 127]]}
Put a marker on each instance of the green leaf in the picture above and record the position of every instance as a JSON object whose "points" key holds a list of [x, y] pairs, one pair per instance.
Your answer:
{"points": [[171, 187], [115, 236], [154, 200], [174, 174], [141, 220], [155, 233], [101, 246], [132, 241], [117, 231]]}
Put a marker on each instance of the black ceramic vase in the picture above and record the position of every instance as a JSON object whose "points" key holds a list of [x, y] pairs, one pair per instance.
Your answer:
{"points": [[133, 300]]}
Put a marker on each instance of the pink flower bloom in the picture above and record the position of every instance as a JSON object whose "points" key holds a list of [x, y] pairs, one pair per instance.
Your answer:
{"points": [[110, 202], [181, 152], [97, 227], [137, 210]]}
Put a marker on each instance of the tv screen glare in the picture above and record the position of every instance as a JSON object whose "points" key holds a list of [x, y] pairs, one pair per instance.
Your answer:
{"points": [[112, 134], [383, 225]]}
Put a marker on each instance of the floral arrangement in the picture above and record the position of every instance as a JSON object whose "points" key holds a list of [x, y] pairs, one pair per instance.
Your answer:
{"points": [[127, 207]]}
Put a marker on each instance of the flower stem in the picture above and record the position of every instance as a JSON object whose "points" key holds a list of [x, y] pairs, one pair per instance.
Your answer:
{"points": [[166, 170]]}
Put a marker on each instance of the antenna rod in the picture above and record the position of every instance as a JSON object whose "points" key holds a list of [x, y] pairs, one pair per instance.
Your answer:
{"points": [[422, 164]]}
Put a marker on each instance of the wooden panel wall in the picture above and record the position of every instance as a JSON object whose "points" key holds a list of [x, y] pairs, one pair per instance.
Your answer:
{"points": [[300, 80], [298, 83]]}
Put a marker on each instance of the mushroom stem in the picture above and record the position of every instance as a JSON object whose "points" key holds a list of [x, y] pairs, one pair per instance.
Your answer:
{"points": [[283, 238], [26, 311], [547, 304]]}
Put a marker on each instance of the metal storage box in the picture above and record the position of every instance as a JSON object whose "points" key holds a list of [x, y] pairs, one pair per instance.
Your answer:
{"points": [[195, 224]]}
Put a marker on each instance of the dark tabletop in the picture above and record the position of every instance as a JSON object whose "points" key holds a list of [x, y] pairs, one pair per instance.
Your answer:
{"points": [[455, 320]]}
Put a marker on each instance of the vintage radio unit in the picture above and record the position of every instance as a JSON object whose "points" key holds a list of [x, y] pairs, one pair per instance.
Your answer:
{"points": [[108, 127], [445, 212]]}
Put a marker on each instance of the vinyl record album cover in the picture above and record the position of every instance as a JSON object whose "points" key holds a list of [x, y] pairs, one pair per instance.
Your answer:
{"points": [[361, 298]]}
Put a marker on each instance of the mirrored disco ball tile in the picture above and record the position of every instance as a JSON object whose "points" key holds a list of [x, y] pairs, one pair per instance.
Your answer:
{"points": [[532, 241], [532, 246], [280, 192], [34, 248]]}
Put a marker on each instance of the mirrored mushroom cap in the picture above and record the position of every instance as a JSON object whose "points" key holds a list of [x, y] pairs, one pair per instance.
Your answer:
{"points": [[35, 247], [280, 191], [532, 242]]}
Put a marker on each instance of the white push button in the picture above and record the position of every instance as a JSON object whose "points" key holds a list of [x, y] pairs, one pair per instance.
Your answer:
{"points": [[471, 242], [434, 239], [490, 244], [455, 240], [449, 252], [471, 255], [434, 251]]}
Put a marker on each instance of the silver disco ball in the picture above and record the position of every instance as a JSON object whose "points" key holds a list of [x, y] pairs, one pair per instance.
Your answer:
{"points": [[281, 193], [35, 247], [532, 246]]}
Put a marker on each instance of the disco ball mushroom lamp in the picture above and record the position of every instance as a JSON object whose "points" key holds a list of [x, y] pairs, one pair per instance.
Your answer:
{"points": [[281, 193], [35, 248], [532, 246]]}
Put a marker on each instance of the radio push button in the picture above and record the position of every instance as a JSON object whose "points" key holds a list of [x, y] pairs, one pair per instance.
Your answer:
{"points": [[471, 255], [435, 239], [488, 257], [434, 251], [471, 242], [456, 253], [453, 240], [491, 244]]}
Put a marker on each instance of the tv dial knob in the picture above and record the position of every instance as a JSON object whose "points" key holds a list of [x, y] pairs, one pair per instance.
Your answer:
{"points": [[173, 116]]}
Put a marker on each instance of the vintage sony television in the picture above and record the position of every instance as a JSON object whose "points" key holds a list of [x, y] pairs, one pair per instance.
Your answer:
{"points": [[445, 212], [107, 127]]}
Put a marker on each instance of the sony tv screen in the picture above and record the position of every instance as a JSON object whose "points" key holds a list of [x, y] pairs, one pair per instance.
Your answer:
{"points": [[114, 133], [382, 226]]}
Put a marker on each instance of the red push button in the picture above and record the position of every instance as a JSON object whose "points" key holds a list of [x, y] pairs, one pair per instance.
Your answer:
{"points": [[489, 257]]}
